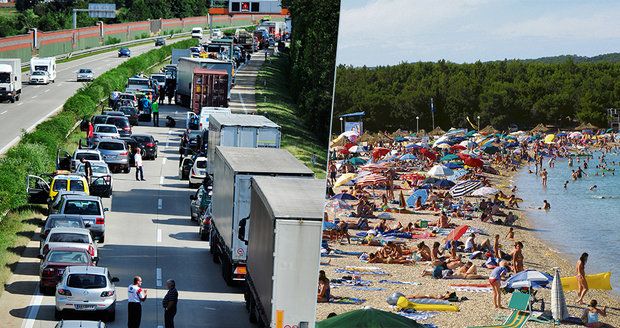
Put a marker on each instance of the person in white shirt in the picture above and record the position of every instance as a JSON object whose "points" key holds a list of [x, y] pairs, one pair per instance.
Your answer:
{"points": [[138, 160], [135, 296]]}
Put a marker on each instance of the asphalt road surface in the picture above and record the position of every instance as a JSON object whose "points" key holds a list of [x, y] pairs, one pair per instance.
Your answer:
{"points": [[38, 102], [148, 233]]}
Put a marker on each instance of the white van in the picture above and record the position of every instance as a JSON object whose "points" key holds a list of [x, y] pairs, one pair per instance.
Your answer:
{"points": [[206, 111], [197, 33], [45, 69]]}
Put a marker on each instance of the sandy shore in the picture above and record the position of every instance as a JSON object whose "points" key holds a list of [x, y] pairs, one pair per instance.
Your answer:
{"points": [[478, 310]]}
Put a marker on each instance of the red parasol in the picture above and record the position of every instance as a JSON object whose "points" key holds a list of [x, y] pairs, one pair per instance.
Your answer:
{"points": [[349, 145], [379, 152], [473, 162], [458, 147], [463, 156], [344, 151], [428, 153], [457, 233], [412, 177]]}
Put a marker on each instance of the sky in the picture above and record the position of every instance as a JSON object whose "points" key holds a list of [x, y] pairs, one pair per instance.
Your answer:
{"points": [[388, 32]]}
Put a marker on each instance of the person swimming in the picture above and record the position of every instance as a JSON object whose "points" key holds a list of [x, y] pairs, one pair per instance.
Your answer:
{"points": [[546, 206], [592, 188]]}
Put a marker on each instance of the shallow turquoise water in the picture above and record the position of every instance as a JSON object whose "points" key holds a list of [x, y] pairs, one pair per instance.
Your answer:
{"points": [[580, 220]]}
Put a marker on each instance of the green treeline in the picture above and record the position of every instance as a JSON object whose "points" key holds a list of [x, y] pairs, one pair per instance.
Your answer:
{"points": [[313, 59], [501, 93], [57, 15]]}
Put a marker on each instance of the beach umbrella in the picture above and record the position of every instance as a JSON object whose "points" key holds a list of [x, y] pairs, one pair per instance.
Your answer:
{"points": [[356, 149], [459, 146], [412, 177], [485, 191], [549, 138], [443, 183], [471, 133], [356, 161], [464, 187], [379, 152], [344, 196], [527, 279], [344, 179], [408, 157], [468, 144], [440, 171], [371, 179], [457, 232], [490, 150], [422, 193], [575, 135], [368, 318], [559, 310], [430, 180], [428, 154], [400, 139], [454, 165], [473, 162], [413, 146], [561, 134], [449, 157], [463, 155], [373, 167], [443, 146]]}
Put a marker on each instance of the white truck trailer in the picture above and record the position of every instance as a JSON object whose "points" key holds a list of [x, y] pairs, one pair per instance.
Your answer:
{"points": [[232, 173], [240, 130], [10, 79], [284, 250]]}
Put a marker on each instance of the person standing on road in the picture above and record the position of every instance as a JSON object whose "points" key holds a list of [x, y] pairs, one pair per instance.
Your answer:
{"points": [[170, 303], [155, 111], [135, 296], [162, 94], [138, 160], [88, 169]]}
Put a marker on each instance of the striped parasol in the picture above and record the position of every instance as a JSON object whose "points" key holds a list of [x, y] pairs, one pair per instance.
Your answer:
{"points": [[465, 187], [559, 310], [373, 167], [372, 179]]}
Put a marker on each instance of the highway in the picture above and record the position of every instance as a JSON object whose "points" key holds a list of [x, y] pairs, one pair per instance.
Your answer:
{"points": [[148, 233], [38, 102]]}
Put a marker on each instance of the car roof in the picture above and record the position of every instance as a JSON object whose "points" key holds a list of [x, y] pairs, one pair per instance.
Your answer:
{"points": [[111, 140], [95, 163], [108, 125], [82, 197], [62, 216], [71, 249], [86, 150], [200, 158], [86, 269], [70, 230], [69, 177]]}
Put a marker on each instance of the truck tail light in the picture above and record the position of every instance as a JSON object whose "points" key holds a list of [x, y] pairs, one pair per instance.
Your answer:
{"points": [[65, 292], [99, 221], [48, 272], [240, 270], [206, 221]]}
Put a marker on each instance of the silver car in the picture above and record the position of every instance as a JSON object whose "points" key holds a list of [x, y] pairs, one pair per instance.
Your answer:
{"points": [[85, 74], [69, 238], [115, 154], [103, 131], [86, 289], [90, 209]]}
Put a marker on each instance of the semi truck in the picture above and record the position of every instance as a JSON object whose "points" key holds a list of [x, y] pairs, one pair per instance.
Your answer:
{"points": [[240, 130], [185, 76], [10, 79], [47, 65], [283, 250], [209, 89], [232, 173]]}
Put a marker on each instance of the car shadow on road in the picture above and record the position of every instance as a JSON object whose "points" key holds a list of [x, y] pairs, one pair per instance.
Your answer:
{"points": [[185, 235], [175, 221], [21, 287]]}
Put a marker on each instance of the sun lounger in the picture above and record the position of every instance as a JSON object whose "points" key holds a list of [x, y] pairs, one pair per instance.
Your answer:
{"points": [[521, 312]]}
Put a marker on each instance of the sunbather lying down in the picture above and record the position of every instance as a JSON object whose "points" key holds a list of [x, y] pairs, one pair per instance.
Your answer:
{"points": [[446, 296], [378, 258]]}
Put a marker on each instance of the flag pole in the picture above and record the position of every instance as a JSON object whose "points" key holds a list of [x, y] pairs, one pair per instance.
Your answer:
{"points": [[433, 113]]}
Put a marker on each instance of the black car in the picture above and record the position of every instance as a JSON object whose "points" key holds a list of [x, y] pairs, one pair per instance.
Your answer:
{"points": [[121, 123], [131, 113], [191, 141], [160, 42], [148, 144]]}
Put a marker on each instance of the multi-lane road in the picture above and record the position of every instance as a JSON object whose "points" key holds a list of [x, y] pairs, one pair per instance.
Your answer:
{"points": [[148, 230]]}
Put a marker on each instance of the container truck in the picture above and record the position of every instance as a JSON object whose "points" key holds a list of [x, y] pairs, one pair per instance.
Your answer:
{"points": [[232, 173], [46, 65], [283, 250], [10, 79], [185, 76], [209, 88], [240, 130]]}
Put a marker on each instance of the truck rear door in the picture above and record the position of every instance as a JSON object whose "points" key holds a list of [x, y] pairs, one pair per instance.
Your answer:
{"points": [[246, 137]]}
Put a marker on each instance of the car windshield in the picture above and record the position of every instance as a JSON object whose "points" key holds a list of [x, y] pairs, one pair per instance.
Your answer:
{"points": [[67, 257], [87, 156], [69, 237], [126, 96], [60, 184], [99, 119], [85, 70], [5, 77], [142, 139], [82, 207], [87, 281], [124, 49], [201, 164], [96, 169], [76, 185], [66, 223], [111, 146], [38, 73], [128, 110], [159, 78], [107, 129], [119, 122]]}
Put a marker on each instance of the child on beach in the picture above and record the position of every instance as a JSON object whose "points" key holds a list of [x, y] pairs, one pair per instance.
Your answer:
{"points": [[511, 234], [591, 313]]}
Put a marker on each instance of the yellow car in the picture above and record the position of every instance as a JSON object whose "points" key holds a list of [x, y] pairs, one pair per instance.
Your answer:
{"points": [[40, 191]]}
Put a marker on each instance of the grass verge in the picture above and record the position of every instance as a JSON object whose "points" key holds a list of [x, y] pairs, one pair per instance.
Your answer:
{"points": [[273, 100]]}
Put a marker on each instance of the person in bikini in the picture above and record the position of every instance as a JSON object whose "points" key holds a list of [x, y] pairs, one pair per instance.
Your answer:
{"points": [[582, 283], [517, 257]]}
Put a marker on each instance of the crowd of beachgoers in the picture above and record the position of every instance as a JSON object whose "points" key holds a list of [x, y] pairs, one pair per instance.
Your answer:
{"points": [[437, 220]]}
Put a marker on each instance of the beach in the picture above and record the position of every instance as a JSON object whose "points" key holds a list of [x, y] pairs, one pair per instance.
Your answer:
{"points": [[478, 309]]}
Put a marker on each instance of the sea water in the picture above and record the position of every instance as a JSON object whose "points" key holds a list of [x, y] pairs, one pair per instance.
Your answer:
{"points": [[580, 219]]}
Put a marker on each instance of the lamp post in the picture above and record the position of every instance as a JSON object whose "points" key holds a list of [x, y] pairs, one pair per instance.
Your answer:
{"points": [[478, 122], [417, 125]]}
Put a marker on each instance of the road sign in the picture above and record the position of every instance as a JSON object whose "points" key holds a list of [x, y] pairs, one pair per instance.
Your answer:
{"points": [[102, 10]]}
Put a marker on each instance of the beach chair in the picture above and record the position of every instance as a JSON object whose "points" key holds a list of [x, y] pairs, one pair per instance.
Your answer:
{"points": [[521, 312]]}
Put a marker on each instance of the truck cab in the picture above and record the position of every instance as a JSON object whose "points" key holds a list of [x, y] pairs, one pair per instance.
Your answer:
{"points": [[45, 69], [10, 79]]}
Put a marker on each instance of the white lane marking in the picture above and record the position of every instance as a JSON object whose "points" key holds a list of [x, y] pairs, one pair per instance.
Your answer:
{"points": [[48, 90], [163, 161], [21, 103], [3, 112], [245, 111], [159, 204], [34, 96], [167, 144], [158, 276], [161, 180], [159, 235], [35, 303], [169, 131]]}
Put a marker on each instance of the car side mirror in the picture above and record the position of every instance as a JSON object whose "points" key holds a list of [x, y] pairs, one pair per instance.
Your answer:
{"points": [[114, 279], [106, 209]]}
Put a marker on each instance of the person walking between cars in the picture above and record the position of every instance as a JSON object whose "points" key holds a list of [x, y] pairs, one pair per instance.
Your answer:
{"points": [[135, 296], [88, 170], [155, 111], [162, 94], [170, 303], [138, 160]]}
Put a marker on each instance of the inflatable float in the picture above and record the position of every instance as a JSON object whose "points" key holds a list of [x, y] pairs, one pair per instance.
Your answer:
{"points": [[600, 281], [404, 303]]}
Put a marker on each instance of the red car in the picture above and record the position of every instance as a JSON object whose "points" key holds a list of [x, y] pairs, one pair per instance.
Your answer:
{"points": [[54, 264]]}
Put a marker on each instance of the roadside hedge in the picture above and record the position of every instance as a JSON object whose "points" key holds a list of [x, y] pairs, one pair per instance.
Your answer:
{"points": [[36, 151]]}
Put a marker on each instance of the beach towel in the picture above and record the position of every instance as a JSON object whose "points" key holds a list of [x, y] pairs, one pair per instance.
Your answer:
{"points": [[472, 289], [352, 282], [356, 272], [406, 235], [417, 316], [385, 281], [339, 252], [370, 289], [347, 300]]}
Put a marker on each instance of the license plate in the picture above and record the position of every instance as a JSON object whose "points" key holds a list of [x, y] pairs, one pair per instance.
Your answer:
{"points": [[84, 307]]}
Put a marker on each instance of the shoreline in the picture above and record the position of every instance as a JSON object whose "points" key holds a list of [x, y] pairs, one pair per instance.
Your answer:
{"points": [[478, 310]]}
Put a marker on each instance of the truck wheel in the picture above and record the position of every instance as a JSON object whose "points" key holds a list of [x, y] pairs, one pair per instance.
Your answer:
{"points": [[204, 236], [252, 309], [227, 271]]}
